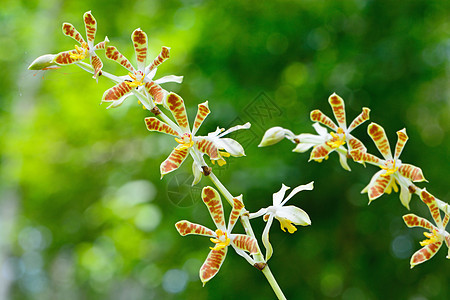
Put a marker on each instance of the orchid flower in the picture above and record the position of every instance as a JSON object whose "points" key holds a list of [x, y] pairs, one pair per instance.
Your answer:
{"points": [[222, 236], [286, 215], [324, 143], [87, 49], [209, 145], [140, 78], [392, 171], [436, 235]]}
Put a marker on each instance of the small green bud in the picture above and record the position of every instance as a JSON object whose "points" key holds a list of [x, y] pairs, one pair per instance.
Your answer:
{"points": [[43, 62]]}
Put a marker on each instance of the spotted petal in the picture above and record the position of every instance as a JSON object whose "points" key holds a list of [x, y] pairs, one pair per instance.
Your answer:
{"points": [[114, 54], [117, 93], [318, 116], [69, 30], [354, 143], [174, 161], [245, 242], [411, 220], [208, 147], [337, 104], [378, 136], [361, 156], [97, 64], [91, 27], [102, 45], [186, 228], [430, 201], [238, 206], [425, 253], [364, 116], [320, 152], [377, 186], [154, 124], [412, 172], [140, 44], [64, 58], [178, 110], [401, 141], [212, 200], [162, 57], [202, 112], [212, 264], [158, 93]]}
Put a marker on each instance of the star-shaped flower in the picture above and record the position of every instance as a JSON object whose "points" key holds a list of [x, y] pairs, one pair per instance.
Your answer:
{"points": [[87, 49], [210, 145], [222, 236], [140, 78], [436, 235], [393, 170], [324, 143], [286, 215]]}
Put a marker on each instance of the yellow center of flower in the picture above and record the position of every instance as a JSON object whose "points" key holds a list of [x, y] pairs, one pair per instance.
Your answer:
{"points": [[138, 79], [338, 139], [221, 241], [185, 141], [432, 238], [82, 52], [221, 161], [285, 223], [392, 186], [389, 167]]}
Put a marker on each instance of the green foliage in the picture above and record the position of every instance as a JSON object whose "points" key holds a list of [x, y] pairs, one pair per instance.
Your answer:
{"points": [[84, 214]]}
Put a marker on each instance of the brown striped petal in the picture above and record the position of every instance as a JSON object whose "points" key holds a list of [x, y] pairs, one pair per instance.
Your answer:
{"points": [[212, 264], [425, 253], [445, 221], [158, 93], [154, 124], [320, 152], [64, 58], [364, 116], [318, 116], [174, 160], [212, 200], [378, 186], [238, 205], [69, 30], [202, 112], [97, 64], [401, 141], [162, 57], [361, 156], [114, 54], [378, 136], [91, 27], [355, 144], [430, 201], [245, 242], [102, 45], [208, 147], [186, 228], [337, 104], [140, 44], [411, 220], [116, 92], [412, 172], [178, 110]]}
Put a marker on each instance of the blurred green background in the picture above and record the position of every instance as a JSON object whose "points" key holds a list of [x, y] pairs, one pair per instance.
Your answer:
{"points": [[84, 214]]}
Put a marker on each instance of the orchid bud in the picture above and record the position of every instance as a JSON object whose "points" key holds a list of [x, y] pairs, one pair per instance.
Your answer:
{"points": [[43, 62], [273, 136]]}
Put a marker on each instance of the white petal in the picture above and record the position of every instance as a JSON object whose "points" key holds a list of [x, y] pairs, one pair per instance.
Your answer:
{"points": [[275, 135], [150, 75], [234, 128], [278, 196], [197, 173], [265, 238], [300, 188], [311, 138], [343, 161], [294, 214], [230, 146], [303, 147], [169, 78], [322, 131], [259, 213]]}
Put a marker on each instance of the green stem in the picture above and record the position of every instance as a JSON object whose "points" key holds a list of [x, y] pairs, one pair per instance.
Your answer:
{"points": [[258, 257]]}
